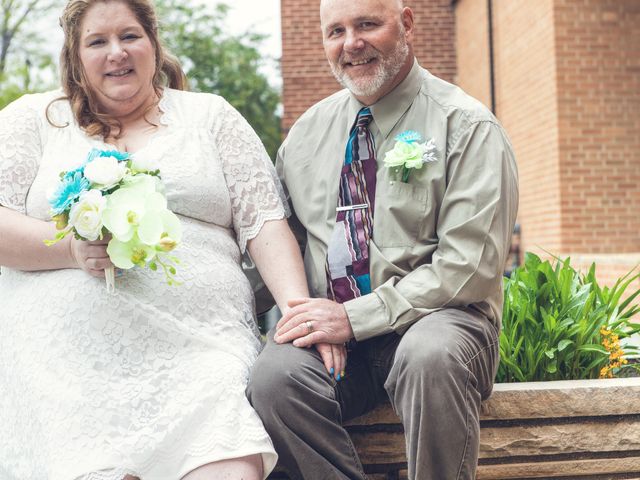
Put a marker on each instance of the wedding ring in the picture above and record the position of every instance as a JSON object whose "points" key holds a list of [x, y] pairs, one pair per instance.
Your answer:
{"points": [[309, 327]]}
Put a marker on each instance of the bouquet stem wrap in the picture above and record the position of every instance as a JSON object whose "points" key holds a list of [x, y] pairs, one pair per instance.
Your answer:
{"points": [[110, 278]]}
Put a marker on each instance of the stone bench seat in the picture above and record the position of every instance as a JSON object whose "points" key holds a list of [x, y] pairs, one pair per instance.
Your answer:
{"points": [[587, 429]]}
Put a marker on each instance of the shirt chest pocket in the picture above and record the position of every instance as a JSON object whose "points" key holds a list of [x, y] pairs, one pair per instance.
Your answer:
{"points": [[400, 212]]}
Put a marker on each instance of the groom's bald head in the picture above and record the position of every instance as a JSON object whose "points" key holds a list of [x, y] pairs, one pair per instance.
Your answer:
{"points": [[368, 44], [392, 6]]}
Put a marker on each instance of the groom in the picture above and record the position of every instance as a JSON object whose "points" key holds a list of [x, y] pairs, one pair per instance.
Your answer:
{"points": [[406, 190]]}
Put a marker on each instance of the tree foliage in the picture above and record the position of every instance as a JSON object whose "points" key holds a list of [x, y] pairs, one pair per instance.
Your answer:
{"points": [[218, 62], [24, 63]]}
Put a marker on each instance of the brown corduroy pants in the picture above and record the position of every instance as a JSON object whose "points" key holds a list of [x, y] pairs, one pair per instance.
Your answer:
{"points": [[435, 376]]}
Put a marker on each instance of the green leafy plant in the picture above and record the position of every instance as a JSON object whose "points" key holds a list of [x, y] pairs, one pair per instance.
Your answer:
{"points": [[559, 324]]}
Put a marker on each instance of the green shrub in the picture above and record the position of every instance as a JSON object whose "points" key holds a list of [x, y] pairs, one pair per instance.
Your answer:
{"points": [[559, 324]]}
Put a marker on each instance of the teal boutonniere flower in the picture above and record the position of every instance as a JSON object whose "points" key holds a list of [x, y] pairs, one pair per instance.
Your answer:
{"points": [[409, 153]]}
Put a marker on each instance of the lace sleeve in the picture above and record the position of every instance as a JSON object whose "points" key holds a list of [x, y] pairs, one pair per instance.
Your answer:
{"points": [[254, 188], [20, 152]]}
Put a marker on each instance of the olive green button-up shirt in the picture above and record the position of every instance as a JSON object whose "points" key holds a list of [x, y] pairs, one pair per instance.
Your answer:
{"points": [[441, 239]]}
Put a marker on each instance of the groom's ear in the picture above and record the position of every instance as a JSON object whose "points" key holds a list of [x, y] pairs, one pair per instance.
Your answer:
{"points": [[407, 19]]}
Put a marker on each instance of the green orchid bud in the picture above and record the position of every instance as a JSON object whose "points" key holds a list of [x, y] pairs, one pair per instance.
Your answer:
{"points": [[61, 220]]}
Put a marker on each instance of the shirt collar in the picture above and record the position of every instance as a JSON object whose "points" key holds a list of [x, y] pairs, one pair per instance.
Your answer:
{"points": [[388, 110]]}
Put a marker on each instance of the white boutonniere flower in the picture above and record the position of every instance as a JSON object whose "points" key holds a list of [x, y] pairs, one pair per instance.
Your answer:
{"points": [[409, 153]]}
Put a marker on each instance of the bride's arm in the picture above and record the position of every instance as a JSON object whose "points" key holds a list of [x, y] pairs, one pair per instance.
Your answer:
{"points": [[22, 243], [22, 246], [276, 253], [277, 257]]}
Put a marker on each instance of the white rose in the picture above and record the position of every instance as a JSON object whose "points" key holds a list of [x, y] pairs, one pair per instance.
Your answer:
{"points": [[143, 163], [86, 214], [404, 154], [105, 172]]}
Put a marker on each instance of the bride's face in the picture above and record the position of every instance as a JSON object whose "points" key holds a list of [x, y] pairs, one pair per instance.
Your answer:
{"points": [[117, 56]]}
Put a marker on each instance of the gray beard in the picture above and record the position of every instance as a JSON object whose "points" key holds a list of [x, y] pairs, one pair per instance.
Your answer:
{"points": [[387, 70]]}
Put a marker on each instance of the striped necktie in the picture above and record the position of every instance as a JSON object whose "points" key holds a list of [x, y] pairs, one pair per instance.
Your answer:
{"points": [[348, 252]]}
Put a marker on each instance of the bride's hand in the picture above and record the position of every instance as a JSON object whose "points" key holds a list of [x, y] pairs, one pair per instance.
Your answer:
{"points": [[334, 358], [90, 256]]}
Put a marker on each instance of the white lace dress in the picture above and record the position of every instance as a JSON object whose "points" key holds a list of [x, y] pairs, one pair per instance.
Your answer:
{"points": [[149, 381]]}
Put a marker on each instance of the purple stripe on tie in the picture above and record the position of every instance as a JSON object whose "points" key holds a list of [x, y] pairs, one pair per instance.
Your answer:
{"points": [[370, 179], [345, 287], [361, 267]]}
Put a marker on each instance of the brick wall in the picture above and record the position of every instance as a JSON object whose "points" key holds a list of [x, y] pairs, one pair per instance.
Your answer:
{"points": [[434, 42], [472, 49], [567, 77], [598, 64], [526, 104], [306, 77]]}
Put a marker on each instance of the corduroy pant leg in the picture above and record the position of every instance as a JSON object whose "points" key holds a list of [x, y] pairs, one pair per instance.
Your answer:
{"points": [[303, 411], [444, 365]]}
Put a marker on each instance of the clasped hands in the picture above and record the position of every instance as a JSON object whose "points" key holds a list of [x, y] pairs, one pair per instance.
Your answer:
{"points": [[319, 322]]}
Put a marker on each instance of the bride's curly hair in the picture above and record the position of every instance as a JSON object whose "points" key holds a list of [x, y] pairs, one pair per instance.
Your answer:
{"points": [[79, 93]]}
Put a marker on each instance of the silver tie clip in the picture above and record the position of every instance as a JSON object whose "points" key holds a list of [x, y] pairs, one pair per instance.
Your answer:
{"points": [[347, 208]]}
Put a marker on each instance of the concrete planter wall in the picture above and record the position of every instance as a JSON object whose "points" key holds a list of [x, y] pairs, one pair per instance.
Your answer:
{"points": [[588, 429]]}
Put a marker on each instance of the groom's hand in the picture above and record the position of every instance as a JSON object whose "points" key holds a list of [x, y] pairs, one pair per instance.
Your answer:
{"points": [[308, 321]]}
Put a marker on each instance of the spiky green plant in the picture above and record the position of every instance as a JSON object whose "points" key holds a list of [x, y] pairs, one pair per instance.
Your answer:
{"points": [[555, 323]]}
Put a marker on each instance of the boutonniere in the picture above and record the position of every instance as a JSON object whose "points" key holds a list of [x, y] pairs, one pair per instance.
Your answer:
{"points": [[408, 153]]}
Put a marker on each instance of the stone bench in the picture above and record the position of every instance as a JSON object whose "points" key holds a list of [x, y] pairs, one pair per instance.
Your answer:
{"points": [[547, 430]]}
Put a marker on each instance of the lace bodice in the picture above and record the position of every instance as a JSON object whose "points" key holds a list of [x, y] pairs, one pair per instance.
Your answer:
{"points": [[206, 144]]}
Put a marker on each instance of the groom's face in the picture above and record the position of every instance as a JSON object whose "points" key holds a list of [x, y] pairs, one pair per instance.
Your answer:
{"points": [[368, 44]]}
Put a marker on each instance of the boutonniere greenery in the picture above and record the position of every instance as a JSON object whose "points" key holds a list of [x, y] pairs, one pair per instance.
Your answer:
{"points": [[409, 153]]}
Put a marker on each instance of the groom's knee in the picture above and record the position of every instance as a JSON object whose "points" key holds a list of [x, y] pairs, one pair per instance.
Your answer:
{"points": [[268, 380], [281, 376]]}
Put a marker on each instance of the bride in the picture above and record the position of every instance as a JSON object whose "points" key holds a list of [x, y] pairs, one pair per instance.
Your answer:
{"points": [[147, 383]]}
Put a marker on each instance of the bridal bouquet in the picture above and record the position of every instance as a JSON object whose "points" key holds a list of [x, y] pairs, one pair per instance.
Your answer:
{"points": [[116, 193]]}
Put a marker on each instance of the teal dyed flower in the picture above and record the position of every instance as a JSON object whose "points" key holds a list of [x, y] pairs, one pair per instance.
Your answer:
{"points": [[72, 173], [68, 191], [95, 153], [408, 136]]}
